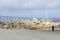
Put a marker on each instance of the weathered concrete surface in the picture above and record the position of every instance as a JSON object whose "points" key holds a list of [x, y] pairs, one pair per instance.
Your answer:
{"points": [[16, 34]]}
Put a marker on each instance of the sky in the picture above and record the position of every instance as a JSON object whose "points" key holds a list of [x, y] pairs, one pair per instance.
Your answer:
{"points": [[30, 8]]}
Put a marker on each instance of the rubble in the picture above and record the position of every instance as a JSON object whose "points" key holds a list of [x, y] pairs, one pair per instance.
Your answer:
{"points": [[26, 24]]}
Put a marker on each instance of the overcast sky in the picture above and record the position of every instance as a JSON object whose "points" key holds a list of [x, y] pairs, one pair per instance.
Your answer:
{"points": [[30, 8]]}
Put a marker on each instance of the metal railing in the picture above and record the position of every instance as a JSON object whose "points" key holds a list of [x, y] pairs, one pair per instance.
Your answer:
{"points": [[5, 18]]}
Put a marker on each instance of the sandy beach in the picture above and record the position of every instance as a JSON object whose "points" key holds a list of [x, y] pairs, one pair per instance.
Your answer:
{"points": [[23, 34]]}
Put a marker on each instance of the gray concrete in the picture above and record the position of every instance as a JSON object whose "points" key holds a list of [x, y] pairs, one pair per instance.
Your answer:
{"points": [[15, 34]]}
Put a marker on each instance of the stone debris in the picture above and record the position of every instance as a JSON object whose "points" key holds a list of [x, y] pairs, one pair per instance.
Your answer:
{"points": [[27, 24]]}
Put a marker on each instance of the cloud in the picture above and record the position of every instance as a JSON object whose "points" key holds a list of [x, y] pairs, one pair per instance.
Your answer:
{"points": [[52, 3], [22, 3], [8, 7]]}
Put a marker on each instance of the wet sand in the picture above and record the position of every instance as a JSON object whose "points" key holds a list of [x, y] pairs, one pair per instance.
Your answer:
{"points": [[16, 34]]}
